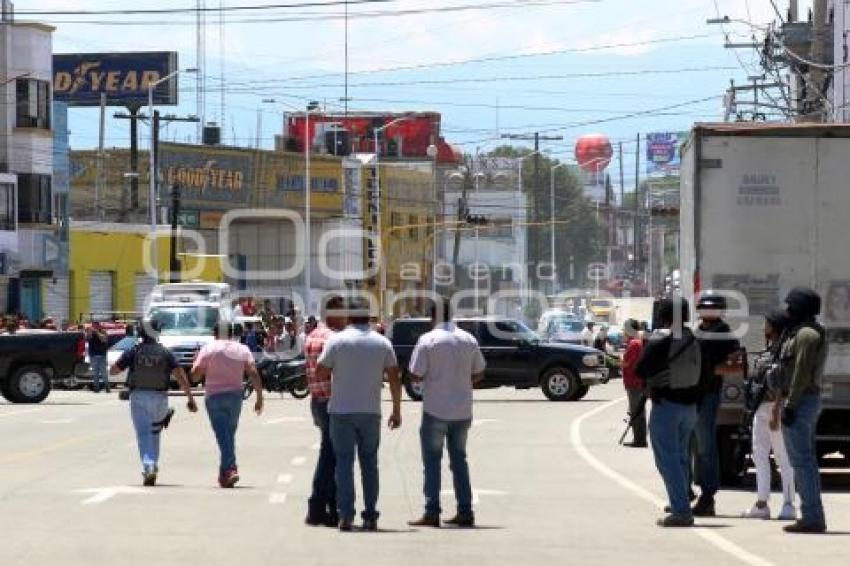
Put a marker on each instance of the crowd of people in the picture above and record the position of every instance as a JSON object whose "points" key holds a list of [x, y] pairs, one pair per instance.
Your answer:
{"points": [[682, 371], [348, 362]]}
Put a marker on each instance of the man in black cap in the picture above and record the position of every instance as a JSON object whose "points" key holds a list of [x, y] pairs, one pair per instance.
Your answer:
{"points": [[803, 359], [717, 344]]}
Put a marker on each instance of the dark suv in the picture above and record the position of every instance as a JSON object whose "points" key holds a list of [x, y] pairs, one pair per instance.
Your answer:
{"points": [[515, 358]]}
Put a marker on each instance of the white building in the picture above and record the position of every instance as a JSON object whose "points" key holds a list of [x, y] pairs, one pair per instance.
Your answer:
{"points": [[26, 162]]}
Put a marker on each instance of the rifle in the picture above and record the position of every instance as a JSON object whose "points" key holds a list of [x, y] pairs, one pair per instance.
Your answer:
{"points": [[630, 422]]}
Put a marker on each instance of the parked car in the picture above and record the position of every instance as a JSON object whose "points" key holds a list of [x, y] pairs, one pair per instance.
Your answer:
{"points": [[563, 330], [30, 361], [515, 355], [602, 309]]}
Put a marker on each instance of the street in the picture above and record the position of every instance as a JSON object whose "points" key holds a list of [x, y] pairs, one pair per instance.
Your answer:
{"points": [[551, 487]]}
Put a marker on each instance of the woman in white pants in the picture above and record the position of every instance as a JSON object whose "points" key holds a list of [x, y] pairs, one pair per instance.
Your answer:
{"points": [[767, 428]]}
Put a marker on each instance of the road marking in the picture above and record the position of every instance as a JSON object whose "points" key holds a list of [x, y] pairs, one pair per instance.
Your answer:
{"points": [[23, 412], [718, 541], [284, 478], [479, 422], [58, 421], [477, 493], [316, 446], [284, 420], [53, 447], [277, 498], [299, 461], [103, 494]]}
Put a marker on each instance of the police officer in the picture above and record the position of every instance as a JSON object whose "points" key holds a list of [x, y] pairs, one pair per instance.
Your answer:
{"points": [[717, 344], [802, 359], [150, 367]]}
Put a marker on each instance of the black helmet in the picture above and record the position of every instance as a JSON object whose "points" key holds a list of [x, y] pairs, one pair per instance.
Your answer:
{"points": [[711, 300], [802, 304], [778, 319]]}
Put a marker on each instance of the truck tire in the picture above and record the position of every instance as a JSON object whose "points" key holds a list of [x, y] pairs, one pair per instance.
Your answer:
{"points": [[560, 384], [4, 390], [733, 456], [28, 384], [582, 392], [412, 388]]}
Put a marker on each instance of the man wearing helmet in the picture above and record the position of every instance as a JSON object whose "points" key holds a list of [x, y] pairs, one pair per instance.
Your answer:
{"points": [[717, 344], [802, 360]]}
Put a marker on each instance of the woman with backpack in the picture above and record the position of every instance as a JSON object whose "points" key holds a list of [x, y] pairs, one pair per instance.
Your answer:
{"points": [[765, 403]]}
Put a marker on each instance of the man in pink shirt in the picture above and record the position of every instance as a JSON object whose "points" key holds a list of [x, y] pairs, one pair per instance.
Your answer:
{"points": [[222, 365]]}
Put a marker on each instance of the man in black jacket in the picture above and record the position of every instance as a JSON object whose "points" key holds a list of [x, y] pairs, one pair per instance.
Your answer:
{"points": [[670, 368], [717, 344]]}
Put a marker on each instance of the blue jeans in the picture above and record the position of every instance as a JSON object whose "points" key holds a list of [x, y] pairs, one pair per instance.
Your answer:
{"points": [[323, 498], [670, 428], [800, 443], [432, 433], [99, 373], [708, 460], [360, 433], [147, 408], [223, 410]]}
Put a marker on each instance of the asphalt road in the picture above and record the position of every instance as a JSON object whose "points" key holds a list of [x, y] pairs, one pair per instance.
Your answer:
{"points": [[551, 486]]}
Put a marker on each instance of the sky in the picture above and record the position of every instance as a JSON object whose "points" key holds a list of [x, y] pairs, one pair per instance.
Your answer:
{"points": [[567, 68]]}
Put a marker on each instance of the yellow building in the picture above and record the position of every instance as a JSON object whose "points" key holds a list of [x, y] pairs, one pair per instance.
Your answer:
{"points": [[108, 267]]}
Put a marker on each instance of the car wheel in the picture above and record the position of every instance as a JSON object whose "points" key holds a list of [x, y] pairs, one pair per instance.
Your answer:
{"points": [[29, 384], [560, 384], [413, 388]]}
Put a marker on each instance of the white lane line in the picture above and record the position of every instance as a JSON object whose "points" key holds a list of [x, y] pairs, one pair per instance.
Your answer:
{"points": [[284, 478], [299, 461], [58, 421], [710, 536], [103, 494], [480, 422], [476, 493], [284, 420], [277, 498], [24, 412]]}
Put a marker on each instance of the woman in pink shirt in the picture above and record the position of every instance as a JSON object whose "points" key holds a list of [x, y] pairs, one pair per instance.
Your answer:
{"points": [[222, 364]]}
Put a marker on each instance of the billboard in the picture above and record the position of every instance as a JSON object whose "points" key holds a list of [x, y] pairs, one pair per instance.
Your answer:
{"points": [[663, 155], [79, 79]]}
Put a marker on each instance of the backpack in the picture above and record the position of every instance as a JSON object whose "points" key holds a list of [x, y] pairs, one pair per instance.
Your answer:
{"points": [[149, 370], [683, 365]]}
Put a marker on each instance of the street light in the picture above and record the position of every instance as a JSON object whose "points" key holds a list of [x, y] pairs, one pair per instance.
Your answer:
{"points": [[552, 218], [476, 178], [152, 174], [383, 267], [433, 152]]}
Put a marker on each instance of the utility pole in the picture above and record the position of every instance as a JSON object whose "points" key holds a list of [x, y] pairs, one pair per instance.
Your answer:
{"points": [[173, 263], [636, 235], [533, 235], [98, 187], [622, 186], [818, 75]]}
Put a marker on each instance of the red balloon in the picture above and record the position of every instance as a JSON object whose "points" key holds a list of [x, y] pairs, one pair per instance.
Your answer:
{"points": [[594, 152]]}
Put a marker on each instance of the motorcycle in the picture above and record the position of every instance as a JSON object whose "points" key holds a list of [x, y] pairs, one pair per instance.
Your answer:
{"points": [[281, 376]]}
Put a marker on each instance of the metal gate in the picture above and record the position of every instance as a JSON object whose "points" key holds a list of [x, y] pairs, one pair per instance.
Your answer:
{"points": [[57, 302], [101, 291], [144, 285]]}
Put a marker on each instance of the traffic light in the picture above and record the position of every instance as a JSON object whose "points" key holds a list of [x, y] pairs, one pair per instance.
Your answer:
{"points": [[476, 219]]}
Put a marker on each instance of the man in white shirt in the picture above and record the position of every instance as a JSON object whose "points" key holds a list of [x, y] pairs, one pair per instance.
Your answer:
{"points": [[448, 362]]}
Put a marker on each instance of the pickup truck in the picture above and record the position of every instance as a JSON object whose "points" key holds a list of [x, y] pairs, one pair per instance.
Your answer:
{"points": [[515, 357], [31, 360]]}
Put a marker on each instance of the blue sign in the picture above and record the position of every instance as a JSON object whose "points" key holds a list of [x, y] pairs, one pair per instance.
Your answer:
{"points": [[81, 78], [663, 156]]}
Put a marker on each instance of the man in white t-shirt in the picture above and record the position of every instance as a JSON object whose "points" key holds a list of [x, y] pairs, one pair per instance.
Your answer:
{"points": [[448, 362]]}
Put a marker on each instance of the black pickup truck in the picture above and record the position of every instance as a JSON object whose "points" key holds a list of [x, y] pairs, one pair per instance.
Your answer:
{"points": [[515, 358], [31, 360]]}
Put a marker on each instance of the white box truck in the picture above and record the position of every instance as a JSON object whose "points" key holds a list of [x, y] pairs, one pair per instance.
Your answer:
{"points": [[764, 208]]}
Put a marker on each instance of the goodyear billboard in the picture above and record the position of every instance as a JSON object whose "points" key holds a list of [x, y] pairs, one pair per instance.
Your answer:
{"points": [[79, 79]]}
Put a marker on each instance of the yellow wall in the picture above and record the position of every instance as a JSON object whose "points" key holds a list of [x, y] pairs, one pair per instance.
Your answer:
{"points": [[120, 252]]}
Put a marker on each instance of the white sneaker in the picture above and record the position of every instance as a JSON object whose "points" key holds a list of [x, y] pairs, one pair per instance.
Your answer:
{"points": [[788, 513], [757, 512]]}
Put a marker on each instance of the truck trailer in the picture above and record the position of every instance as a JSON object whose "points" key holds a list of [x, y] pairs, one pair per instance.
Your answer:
{"points": [[764, 208]]}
